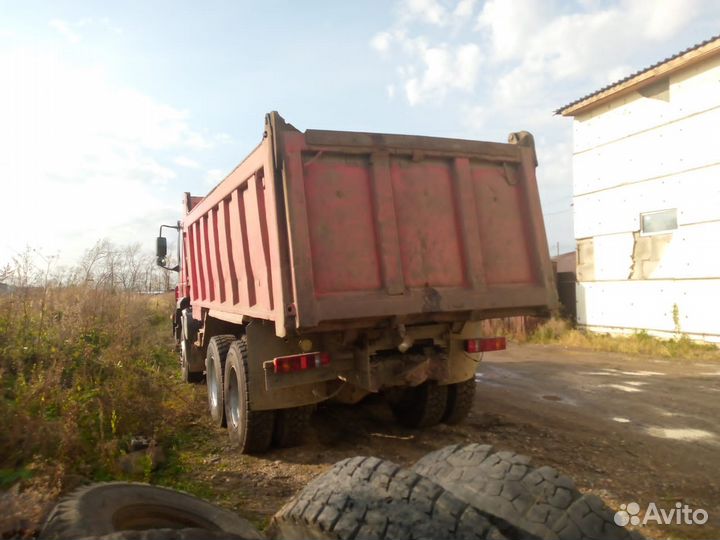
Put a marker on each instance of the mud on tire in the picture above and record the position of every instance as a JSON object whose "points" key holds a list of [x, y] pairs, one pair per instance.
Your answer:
{"points": [[114, 508], [188, 376], [460, 398], [250, 431], [504, 485], [367, 497], [291, 426], [420, 406]]}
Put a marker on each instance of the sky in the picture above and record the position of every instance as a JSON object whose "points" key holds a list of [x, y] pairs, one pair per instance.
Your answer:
{"points": [[109, 111]]}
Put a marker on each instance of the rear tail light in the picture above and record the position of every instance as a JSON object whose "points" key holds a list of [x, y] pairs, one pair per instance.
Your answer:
{"points": [[300, 362], [485, 344]]}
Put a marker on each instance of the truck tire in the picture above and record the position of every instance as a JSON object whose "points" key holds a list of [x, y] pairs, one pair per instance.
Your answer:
{"points": [[167, 534], [109, 508], [215, 368], [588, 518], [291, 425], [250, 431], [526, 499], [420, 406], [187, 375], [460, 398], [370, 498]]}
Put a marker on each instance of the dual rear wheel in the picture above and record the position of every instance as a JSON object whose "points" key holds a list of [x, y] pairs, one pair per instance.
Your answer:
{"points": [[251, 431], [429, 404]]}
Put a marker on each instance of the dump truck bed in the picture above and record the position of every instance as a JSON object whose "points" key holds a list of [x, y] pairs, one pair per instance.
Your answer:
{"points": [[329, 229]]}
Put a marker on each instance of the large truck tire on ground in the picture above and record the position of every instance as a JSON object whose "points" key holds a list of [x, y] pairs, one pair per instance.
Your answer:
{"points": [[460, 491], [331, 265]]}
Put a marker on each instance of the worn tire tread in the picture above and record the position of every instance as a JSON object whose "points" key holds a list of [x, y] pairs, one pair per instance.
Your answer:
{"points": [[258, 427], [588, 518], [291, 426], [371, 498], [421, 406], [460, 398], [503, 484]]}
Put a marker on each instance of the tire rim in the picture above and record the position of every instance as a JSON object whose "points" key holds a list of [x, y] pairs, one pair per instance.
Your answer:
{"points": [[233, 398], [183, 353], [212, 383]]}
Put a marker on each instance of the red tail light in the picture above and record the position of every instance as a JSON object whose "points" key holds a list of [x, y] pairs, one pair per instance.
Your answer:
{"points": [[300, 362], [485, 344]]}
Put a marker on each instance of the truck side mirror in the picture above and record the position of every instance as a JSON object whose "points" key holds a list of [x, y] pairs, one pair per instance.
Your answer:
{"points": [[161, 249]]}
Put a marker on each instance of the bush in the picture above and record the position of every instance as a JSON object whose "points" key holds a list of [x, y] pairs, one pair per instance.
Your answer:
{"points": [[82, 370], [560, 332]]}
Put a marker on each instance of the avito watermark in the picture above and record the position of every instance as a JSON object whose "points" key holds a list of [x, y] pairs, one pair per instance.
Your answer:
{"points": [[680, 514]]}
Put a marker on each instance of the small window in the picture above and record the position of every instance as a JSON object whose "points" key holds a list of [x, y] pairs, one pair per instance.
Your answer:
{"points": [[658, 222]]}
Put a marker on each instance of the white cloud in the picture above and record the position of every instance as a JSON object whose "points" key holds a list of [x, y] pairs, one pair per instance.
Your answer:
{"points": [[184, 161], [63, 28], [435, 13], [558, 45], [71, 30], [223, 138], [618, 72], [527, 45], [214, 176], [82, 156], [666, 18], [505, 65], [464, 9], [381, 42], [510, 23], [429, 11], [474, 117], [443, 68]]}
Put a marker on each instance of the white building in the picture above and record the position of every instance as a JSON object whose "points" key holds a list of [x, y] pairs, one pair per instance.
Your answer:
{"points": [[646, 181]]}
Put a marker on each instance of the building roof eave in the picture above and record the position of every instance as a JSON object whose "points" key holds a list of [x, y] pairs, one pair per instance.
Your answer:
{"points": [[644, 77]]}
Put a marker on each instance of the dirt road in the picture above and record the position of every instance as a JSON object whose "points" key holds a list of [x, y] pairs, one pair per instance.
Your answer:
{"points": [[626, 428]]}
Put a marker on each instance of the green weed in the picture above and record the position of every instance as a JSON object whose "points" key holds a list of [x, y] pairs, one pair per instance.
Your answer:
{"points": [[560, 332]]}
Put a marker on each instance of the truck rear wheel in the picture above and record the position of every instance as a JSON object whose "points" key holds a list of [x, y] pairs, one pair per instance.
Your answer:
{"points": [[421, 406], [251, 431], [185, 352], [215, 367], [291, 426], [459, 401]]}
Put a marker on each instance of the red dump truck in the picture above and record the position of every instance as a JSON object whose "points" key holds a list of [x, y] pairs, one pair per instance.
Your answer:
{"points": [[332, 264]]}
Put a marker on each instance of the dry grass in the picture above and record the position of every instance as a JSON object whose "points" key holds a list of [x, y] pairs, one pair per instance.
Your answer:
{"points": [[82, 370], [560, 332]]}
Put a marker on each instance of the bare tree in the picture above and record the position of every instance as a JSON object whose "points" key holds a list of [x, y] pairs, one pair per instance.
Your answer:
{"points": [[92, 257], [105, 265], [131, 264]]}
